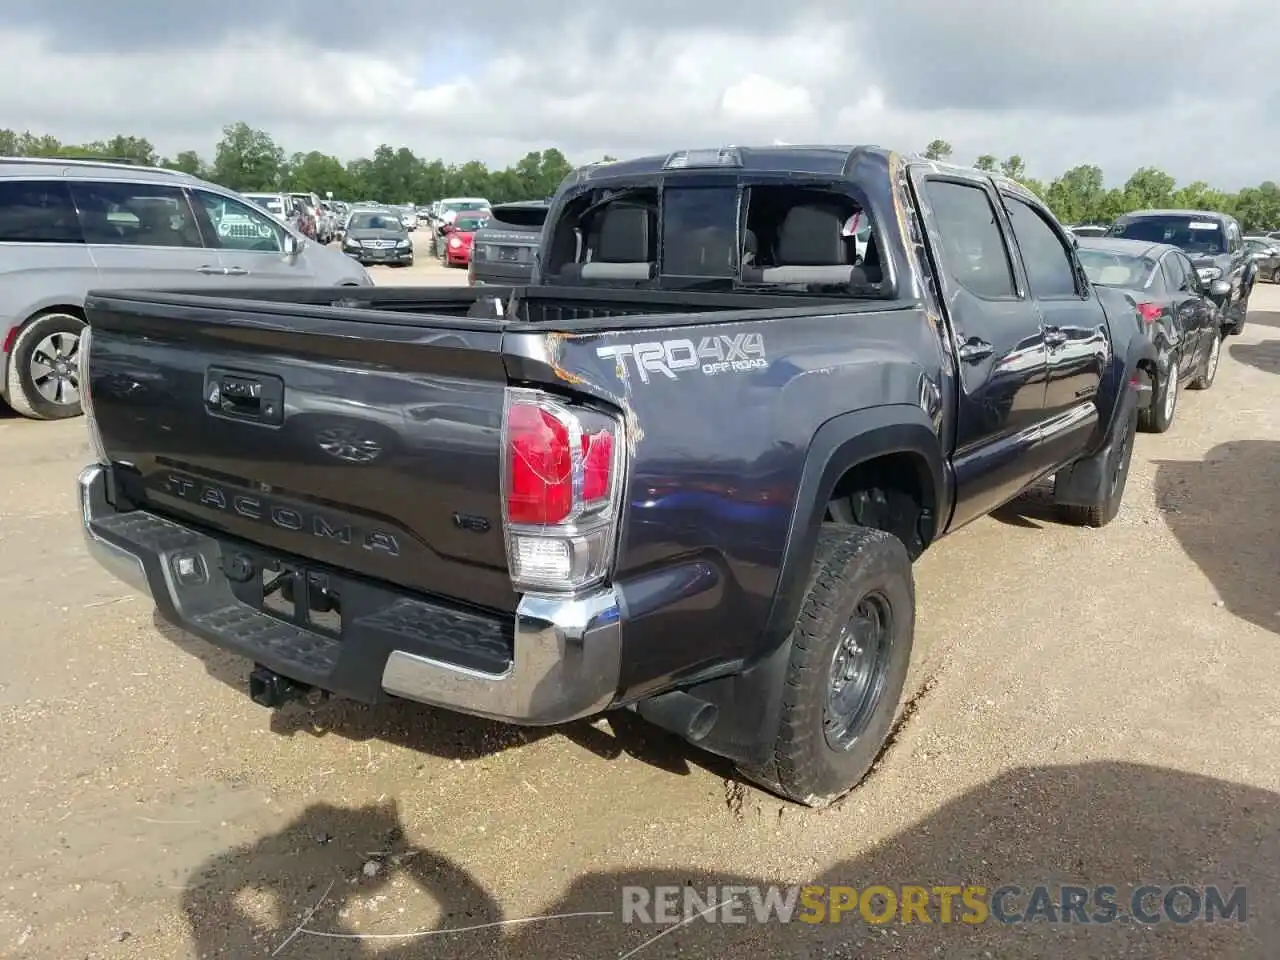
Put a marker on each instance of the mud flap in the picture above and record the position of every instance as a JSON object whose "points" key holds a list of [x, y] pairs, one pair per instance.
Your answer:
{"points": [[1085, 482]]}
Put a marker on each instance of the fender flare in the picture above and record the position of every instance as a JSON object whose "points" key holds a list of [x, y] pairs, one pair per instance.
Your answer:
{"points": [[840, 444], [749, 701]]}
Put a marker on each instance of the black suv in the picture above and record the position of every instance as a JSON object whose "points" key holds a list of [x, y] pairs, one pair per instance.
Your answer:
{"points": [[504, 249], [1215, 244]]}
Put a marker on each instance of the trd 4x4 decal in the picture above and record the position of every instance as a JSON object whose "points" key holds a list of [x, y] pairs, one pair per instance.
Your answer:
{"points": [[732, 353]]}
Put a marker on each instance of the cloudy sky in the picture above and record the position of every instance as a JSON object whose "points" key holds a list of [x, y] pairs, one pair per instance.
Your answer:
{"points": [[1186, 85]]}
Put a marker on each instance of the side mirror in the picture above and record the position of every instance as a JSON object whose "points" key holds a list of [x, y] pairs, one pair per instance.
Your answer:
{"points": [[292, 246], [1219, 289]]}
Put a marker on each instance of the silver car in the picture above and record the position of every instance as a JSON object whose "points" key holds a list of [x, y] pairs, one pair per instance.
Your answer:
{"points": [[71, 226]]}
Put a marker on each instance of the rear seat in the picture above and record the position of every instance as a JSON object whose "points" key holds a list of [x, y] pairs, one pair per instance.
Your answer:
{"points": [[811, 249], [622, 248]]}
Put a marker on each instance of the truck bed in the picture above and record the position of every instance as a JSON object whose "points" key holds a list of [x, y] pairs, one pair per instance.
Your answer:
{"points": [[469, 308]]}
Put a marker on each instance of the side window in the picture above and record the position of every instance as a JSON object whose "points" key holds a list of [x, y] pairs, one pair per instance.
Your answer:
{"points": [[973, 249], [237, 226], [1233, 237], [1049, 268], [1174, 275], [37, 211], [135, 214], [1189, 271]]}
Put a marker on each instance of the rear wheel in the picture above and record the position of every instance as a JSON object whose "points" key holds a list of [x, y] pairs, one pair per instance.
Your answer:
{"points": [[850, 649], [1158, 417], [44, 375], [1209, 367]]}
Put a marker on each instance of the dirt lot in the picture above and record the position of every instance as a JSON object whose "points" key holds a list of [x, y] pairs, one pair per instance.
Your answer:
{"points": [[1095, 707]]}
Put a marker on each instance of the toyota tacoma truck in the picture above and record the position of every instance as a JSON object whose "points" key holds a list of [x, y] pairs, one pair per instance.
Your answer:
{"points": [[685, 471]]}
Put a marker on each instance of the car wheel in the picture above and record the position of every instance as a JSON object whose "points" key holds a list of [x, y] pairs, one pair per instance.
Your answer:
{"points": [[850, 649], [1158, 417], [1119, 455], [44, 376], [1275, 275], [1237, 328], [1208, 371]]}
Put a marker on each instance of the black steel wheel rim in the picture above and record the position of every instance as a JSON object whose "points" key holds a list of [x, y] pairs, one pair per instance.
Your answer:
{"points": [[859, 665]]}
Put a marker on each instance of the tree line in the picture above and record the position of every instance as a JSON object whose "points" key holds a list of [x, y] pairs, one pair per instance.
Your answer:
{"points": [[247, 159]]}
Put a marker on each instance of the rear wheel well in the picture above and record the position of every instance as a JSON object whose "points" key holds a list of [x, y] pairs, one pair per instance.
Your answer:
{"points": [[893, 493]]}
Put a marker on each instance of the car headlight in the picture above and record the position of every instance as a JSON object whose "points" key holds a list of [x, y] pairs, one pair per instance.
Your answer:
{"points": [[1209, 273], [352, 242], [455, 242], [403, 243]]}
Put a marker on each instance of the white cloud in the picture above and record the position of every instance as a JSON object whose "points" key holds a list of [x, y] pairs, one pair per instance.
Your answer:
{"points": [[1179, 85]]}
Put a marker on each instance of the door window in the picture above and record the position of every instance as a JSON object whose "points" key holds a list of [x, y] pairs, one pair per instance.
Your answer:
{"points": [[37, 211], [1175, 274], [135, 214], [1050, 269], [237, 226], [973, 249]]}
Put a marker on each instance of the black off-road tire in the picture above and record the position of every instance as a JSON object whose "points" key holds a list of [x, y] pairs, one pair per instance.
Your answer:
{"points": [[1119, 456], [851, 564], [1208, 371], [23, 394]]}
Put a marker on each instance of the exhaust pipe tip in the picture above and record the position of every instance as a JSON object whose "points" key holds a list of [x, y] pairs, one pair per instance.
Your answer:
{"points": [[680, 713]]}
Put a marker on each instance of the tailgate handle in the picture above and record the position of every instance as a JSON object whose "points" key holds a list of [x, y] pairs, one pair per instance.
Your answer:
{"points": [[244, 396]]}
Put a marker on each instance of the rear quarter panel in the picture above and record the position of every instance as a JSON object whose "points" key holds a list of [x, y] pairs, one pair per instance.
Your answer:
{"points": [[717, 456]]}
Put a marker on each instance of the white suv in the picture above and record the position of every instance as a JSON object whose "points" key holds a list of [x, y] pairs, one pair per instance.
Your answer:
{"points": [[71, 226]]}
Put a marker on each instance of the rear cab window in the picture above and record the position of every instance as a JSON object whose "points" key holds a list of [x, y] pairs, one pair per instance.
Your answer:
{"points": [[718, 231]]}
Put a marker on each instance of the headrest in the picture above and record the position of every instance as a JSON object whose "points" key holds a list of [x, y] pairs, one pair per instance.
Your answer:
{"points": [[624, 235], [812, 236]]}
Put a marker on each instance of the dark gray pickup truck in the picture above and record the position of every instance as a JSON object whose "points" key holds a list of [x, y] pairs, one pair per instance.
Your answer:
{"points": [[686, 471]]}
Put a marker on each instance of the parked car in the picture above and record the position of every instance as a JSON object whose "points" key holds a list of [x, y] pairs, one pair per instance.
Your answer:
{"points": [[1178, 311], [408, 216], [1214, 243], [1089, 230], [503, 249], [459, 236], [374, 236], [325, 225], [282, 206], [509, 543], [1266, 256], [445, 212], [67, 227]]}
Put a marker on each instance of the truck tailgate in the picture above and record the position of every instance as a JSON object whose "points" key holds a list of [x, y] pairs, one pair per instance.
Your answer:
{"points": [[369, 445]]}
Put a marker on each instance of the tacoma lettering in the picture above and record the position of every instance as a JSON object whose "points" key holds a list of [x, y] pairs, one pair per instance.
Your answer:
{"points": [[278, 515]]}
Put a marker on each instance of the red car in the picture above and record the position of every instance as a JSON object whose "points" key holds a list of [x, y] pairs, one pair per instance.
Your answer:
{"points": [[459, 236]]}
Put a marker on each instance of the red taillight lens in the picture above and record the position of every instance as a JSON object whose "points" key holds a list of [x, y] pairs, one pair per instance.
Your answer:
{"points": [[597, 465], [540, 482], [1150, 312], [562, 482]]}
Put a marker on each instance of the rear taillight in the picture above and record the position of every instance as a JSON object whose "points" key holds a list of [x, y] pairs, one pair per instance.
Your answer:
{"points": [[1150, 312], [562, 483]]}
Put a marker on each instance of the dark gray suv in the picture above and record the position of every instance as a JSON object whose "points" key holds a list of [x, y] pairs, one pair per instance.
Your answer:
{"points": [[71, 226]]}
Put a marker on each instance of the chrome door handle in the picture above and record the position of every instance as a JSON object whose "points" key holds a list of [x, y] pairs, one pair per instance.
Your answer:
{"points": [[236, 272], [974, 349], [210, 271]]}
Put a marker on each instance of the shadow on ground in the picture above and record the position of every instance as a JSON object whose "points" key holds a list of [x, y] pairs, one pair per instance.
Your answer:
{"points": [[1222, 509], [1264, 356], [442, 733], [1088, 825], [1265, 318]]}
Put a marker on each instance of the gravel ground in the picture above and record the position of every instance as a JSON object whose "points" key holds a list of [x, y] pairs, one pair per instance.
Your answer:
{"points": [[1092, 707]]}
